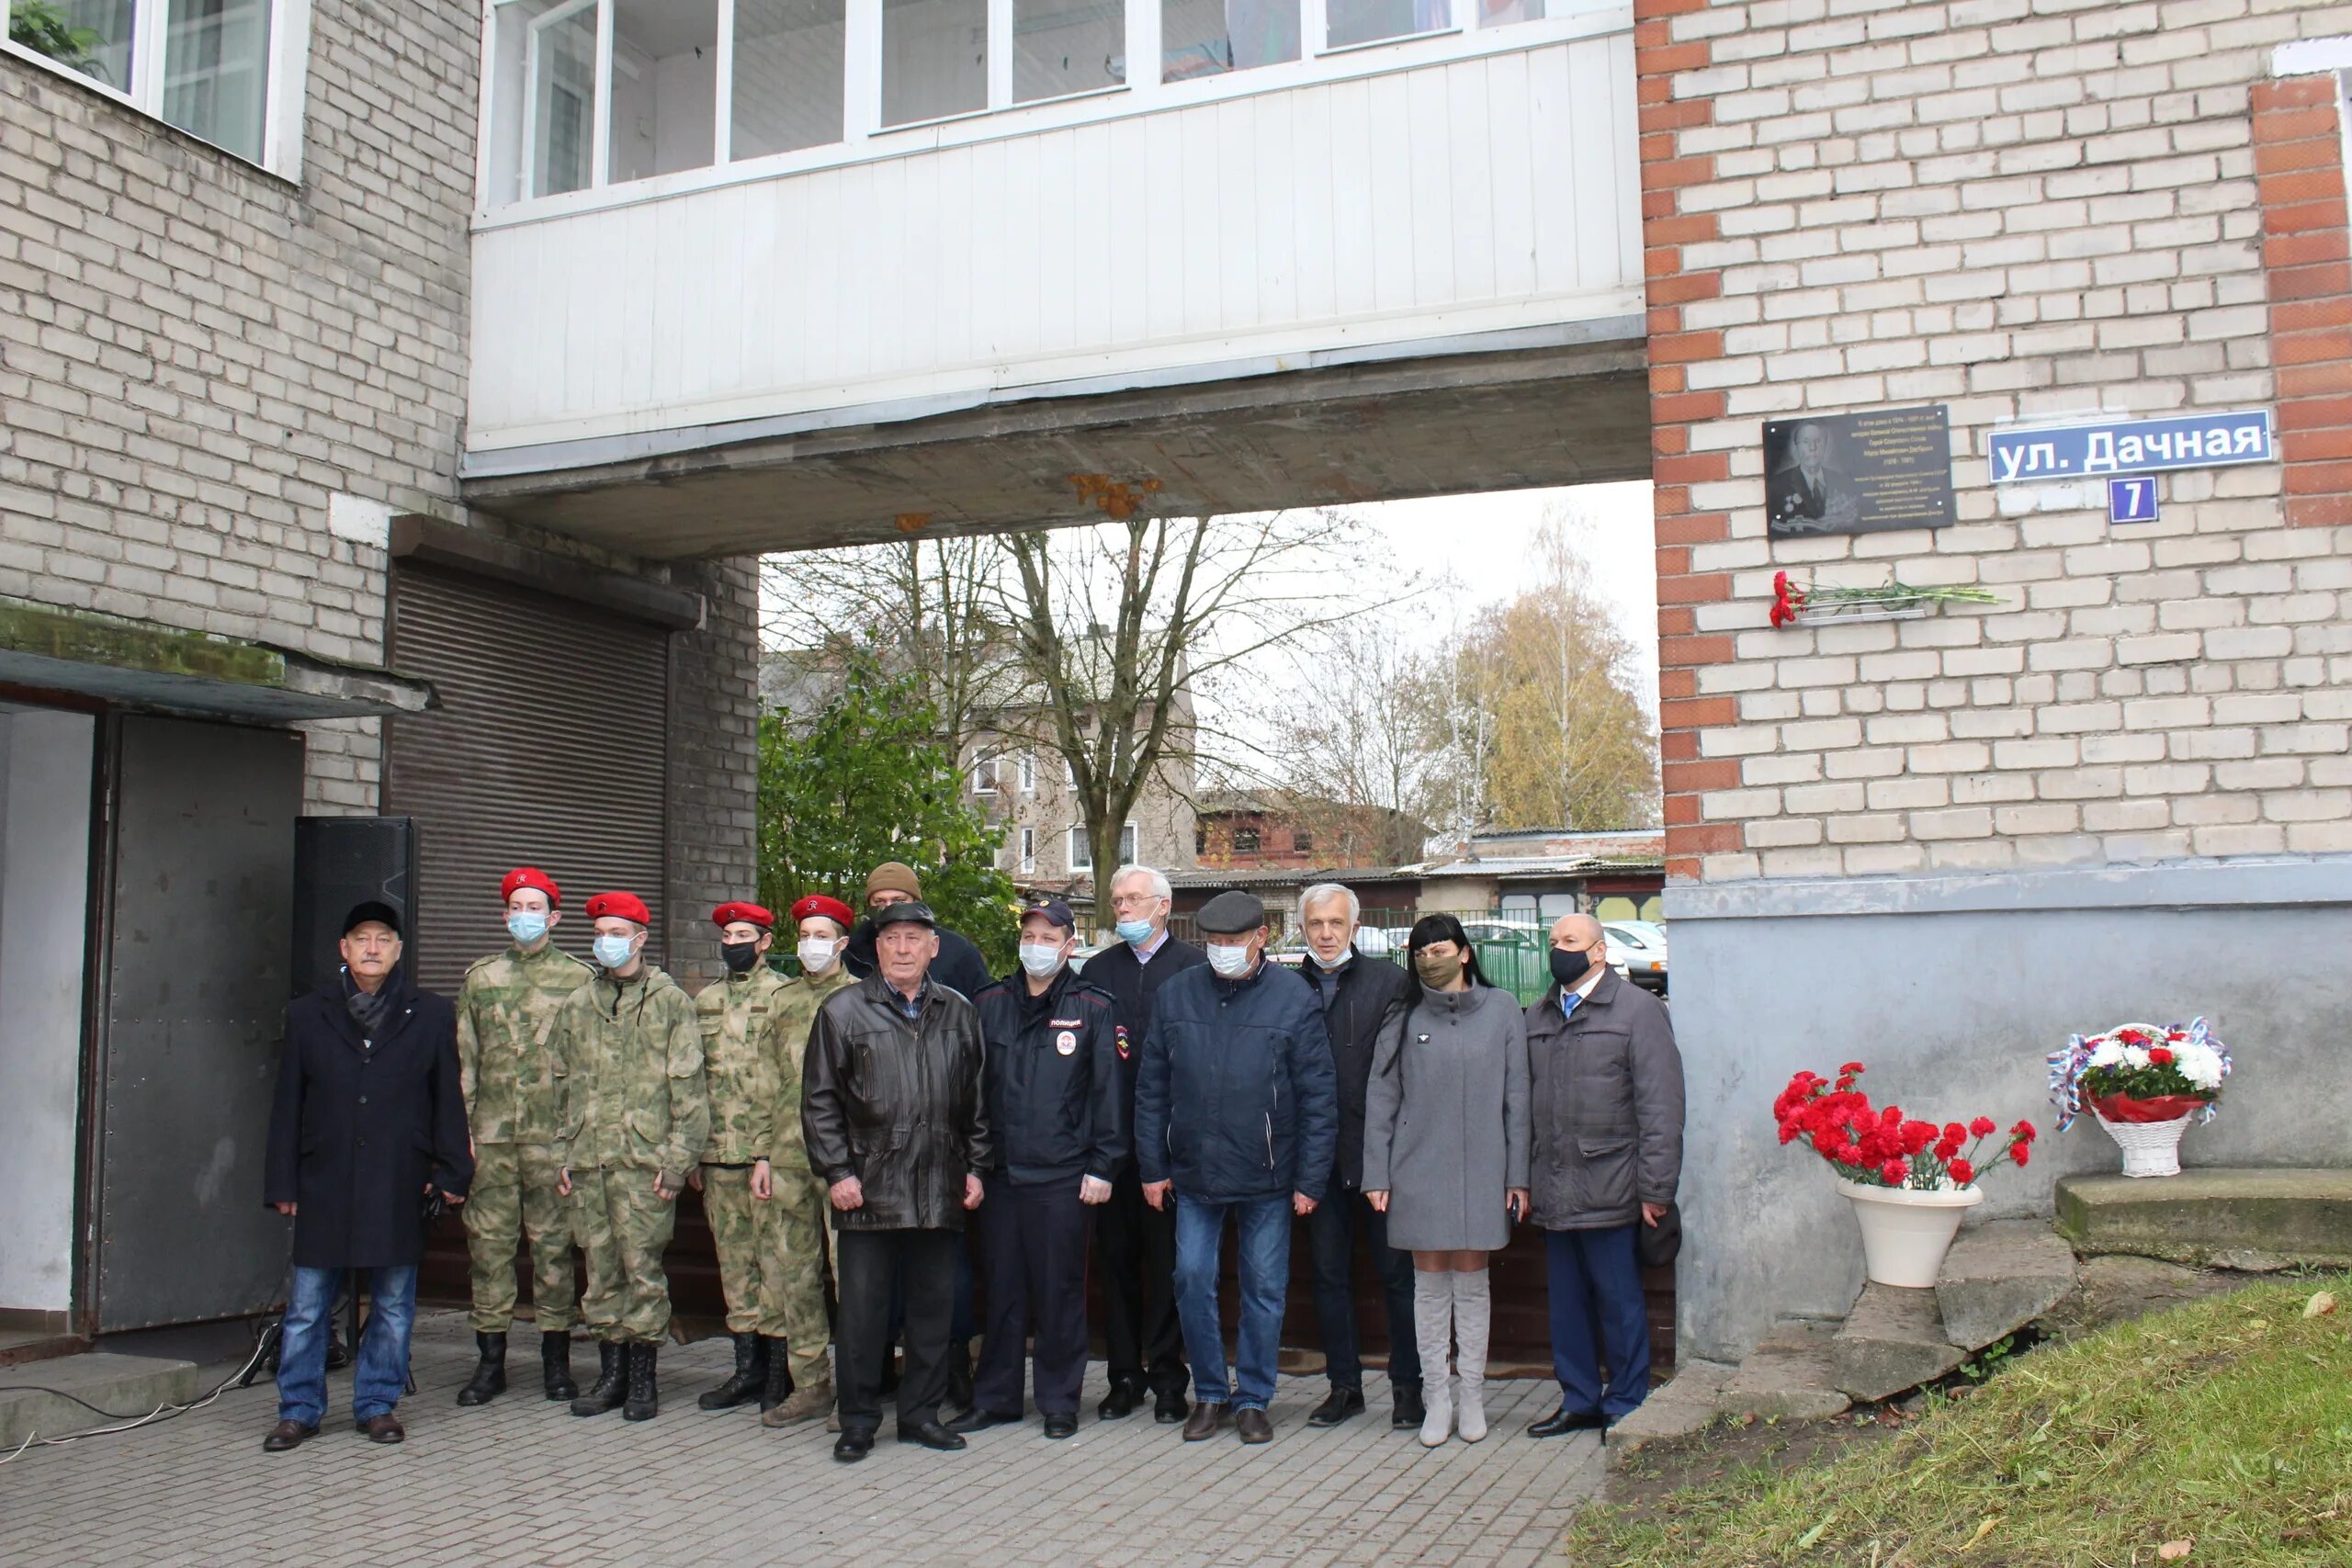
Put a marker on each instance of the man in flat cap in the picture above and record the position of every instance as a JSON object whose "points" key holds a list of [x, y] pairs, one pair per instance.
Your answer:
{"points": [[634, 1114], [506, 1011], [1056, 1103], [799, 1380], [369, 1122], [1237, 1117], [897, 1126]]}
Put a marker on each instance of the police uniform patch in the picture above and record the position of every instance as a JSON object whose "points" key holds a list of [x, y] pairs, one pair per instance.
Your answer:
{"points": [[1126, 1052], [1065, 1043]]}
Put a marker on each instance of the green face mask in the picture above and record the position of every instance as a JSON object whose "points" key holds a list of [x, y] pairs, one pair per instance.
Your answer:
{"points": [[1438, 970]]}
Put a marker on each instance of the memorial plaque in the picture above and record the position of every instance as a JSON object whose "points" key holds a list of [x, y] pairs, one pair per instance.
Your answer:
{"points": [[1857, 473]]}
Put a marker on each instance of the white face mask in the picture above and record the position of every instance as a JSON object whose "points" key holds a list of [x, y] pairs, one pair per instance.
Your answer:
{"points": [[1345, 953], [1230, 961], [1041, 958], [614, 952], [817, 954]]}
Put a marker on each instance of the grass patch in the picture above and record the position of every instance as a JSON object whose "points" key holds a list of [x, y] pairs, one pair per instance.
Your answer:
{"points": [[2226, 1424]]}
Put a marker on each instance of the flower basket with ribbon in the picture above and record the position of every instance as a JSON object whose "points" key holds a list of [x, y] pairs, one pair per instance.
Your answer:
{"points": [[2144, 1082]]}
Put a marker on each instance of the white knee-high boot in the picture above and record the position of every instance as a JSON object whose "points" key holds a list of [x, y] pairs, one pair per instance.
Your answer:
{"points": [[1433, 1328], [1473, 1308]]}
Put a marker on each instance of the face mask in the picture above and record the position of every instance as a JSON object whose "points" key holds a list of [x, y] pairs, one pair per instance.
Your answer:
{"points": [[1230, 961], [740, 956], [1134, 933], [1570, 968], [527, 926], [1438, 970], [1041, 958], [816, 955], [612, 951], [1345, 953]]}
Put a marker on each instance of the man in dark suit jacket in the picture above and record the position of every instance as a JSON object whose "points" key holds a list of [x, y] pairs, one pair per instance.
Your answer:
{"points": [[1806, 495], [369, 1122]]}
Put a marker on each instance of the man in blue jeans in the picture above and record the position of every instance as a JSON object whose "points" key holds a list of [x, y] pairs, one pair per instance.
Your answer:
{"points": [[1236, 1117], [369, 1122]]}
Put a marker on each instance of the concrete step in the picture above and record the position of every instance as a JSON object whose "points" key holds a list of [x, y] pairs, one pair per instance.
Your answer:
{"points": [[1999, 1277], [1892, 1342], [1787, 1377], [129, 1386], [1676, 1408], [2213, 1218]]}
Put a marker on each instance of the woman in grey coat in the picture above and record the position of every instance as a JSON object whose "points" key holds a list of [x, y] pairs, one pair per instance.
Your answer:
{"points": [[1445, 1157]]}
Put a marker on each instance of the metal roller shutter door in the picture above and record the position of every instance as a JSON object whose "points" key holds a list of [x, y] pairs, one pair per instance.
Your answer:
{"points": [[548, 750]]}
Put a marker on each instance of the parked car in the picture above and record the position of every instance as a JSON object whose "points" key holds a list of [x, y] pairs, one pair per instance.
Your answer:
{"points": [[1637, 950]]}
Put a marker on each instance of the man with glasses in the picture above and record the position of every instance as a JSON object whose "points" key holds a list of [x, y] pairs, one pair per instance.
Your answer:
{"points": [[1136, 1242]]}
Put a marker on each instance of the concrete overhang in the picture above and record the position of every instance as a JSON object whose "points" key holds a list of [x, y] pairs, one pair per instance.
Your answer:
{"points": [[139, 664], [1558, 405]]}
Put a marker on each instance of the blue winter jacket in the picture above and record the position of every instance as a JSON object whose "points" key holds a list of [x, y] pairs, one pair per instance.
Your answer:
{"points": [[1237, 1098]]}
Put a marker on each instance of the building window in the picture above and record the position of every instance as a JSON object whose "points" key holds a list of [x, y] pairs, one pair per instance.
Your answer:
{"points": [[1245, 840], [984, 773], [1302, 842], [1209, 37], [1081, 853], [934, 59], [787, 76], [1028, 848], [1028, 773], [227, 71], [1352, 22], [1128, 844], [664, 88], [1200, 841], [1060, 47]]}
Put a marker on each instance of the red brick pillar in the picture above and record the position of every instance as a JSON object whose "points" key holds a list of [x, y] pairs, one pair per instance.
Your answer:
{"points": [[2299, 161]]}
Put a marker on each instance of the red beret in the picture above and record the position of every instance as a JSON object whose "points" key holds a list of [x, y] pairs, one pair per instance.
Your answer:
{"points": [[626, 905], [727, 914], [832, 910], [529, 877]]}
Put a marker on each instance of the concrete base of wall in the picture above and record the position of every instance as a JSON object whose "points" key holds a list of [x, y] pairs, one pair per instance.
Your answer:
{"points": [[128, 1386], [1952, 991]]}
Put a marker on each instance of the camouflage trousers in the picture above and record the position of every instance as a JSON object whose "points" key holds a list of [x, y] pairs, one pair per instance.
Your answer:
{"points": [[772, 1261], [514, 1196], [623, 1228]]}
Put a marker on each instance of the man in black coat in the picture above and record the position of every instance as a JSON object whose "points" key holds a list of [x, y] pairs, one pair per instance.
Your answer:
{"points": [[369, 1124], [1134, 1243], [1357, 993], [960, 968]]}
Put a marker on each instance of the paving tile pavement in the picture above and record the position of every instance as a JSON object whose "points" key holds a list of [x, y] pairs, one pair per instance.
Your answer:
{"points": [[523, 1481]]}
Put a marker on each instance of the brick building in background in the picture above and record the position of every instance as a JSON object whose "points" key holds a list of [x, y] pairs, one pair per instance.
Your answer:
{"points": [[2122, 792]]}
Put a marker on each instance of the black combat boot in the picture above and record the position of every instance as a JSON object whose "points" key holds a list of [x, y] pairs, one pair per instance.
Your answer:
{"points": [[612, 1381], [555, 1366], [751, 1375], [644, 1393], [490, 1373], [776, 1386]]}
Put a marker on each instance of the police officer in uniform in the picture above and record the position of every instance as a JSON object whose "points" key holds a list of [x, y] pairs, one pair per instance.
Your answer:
{"points": [[506, 1010]]}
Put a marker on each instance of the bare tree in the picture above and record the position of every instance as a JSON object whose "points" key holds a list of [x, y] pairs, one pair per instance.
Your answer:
{"points": [[1357, 743]]}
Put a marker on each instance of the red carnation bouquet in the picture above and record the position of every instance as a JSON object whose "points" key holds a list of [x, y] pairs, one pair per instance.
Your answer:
{"points": [[1882, 1147]]}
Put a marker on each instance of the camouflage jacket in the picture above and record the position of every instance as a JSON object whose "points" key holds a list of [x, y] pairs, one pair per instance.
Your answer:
{"points": [[506, 1010], [797, 1011], [740, 1047], [628, 1065]]}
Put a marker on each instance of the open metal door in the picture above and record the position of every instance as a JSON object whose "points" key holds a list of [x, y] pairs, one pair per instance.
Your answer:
{"points": [[201, 930]]}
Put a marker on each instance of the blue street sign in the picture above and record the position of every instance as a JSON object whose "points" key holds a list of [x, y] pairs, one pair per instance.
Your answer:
{"points": [[2058, 452], [2132, 501]]}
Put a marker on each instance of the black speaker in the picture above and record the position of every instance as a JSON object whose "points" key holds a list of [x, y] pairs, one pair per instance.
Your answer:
{"points": [[342, 860]]}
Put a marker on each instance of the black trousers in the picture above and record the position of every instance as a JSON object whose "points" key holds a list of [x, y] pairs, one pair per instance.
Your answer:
{"points": [[868, 1261], [1032, 1244], [1134, 1244], [1331, 1231]]}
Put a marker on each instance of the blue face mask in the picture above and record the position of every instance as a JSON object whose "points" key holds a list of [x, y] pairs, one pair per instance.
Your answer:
{"points": [[1134, 933], [612, 951], [527, 926]]}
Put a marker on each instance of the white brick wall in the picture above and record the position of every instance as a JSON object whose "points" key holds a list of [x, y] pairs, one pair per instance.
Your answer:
{"points": [[2020, 208]]}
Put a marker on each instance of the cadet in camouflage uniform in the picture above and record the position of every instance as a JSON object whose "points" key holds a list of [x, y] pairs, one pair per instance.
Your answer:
{"points": [[506, 1009], [634, 1114]]}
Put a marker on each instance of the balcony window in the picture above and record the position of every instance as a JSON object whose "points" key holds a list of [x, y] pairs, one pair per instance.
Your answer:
{"points": [[1371, 21], [201, 65], [1060, 47], [788, 56], [1208, 38], [1245, 840], [665, 87], [934, 59]]}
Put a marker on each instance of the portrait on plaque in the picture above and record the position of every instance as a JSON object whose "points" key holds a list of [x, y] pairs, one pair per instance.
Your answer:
{"points": [[1857, 473]]}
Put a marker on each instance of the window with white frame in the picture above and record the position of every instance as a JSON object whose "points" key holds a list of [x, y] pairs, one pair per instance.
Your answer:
{"points": [[1028, 773], [1128, 844], [1028, 848], [984, 772], [788, 77], [1081, 851], [227, 71], [1208, 38]]}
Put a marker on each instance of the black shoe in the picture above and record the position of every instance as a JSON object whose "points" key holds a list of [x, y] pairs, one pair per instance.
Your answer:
{"points": [[1564, 1420], [644, 1388], [776, 1387], [981, 1420], [1342, 1404], [930, 1434], [959, 1375], [1060, 1427], [555, 1366], [851, 1447], [490, 1373], [338, 1353], [1253, 1426], [611, 1386], [1170, 1407], [750, 1377], [1125, 1396], [1410, 1412]]}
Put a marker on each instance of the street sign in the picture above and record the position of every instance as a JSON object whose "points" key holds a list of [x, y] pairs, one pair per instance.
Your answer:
{"points": [[2132, 501], [2058, 452]]}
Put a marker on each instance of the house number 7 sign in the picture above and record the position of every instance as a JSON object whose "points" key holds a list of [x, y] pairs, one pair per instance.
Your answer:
{"points": [[2132, 501]]}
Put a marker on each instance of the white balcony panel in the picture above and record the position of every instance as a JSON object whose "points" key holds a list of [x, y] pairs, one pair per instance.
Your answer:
{"points": [[1481, 194]]}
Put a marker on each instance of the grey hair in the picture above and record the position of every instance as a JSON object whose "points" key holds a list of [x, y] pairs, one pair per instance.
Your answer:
{"points": [[1158, 880], [1322, 891]]}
